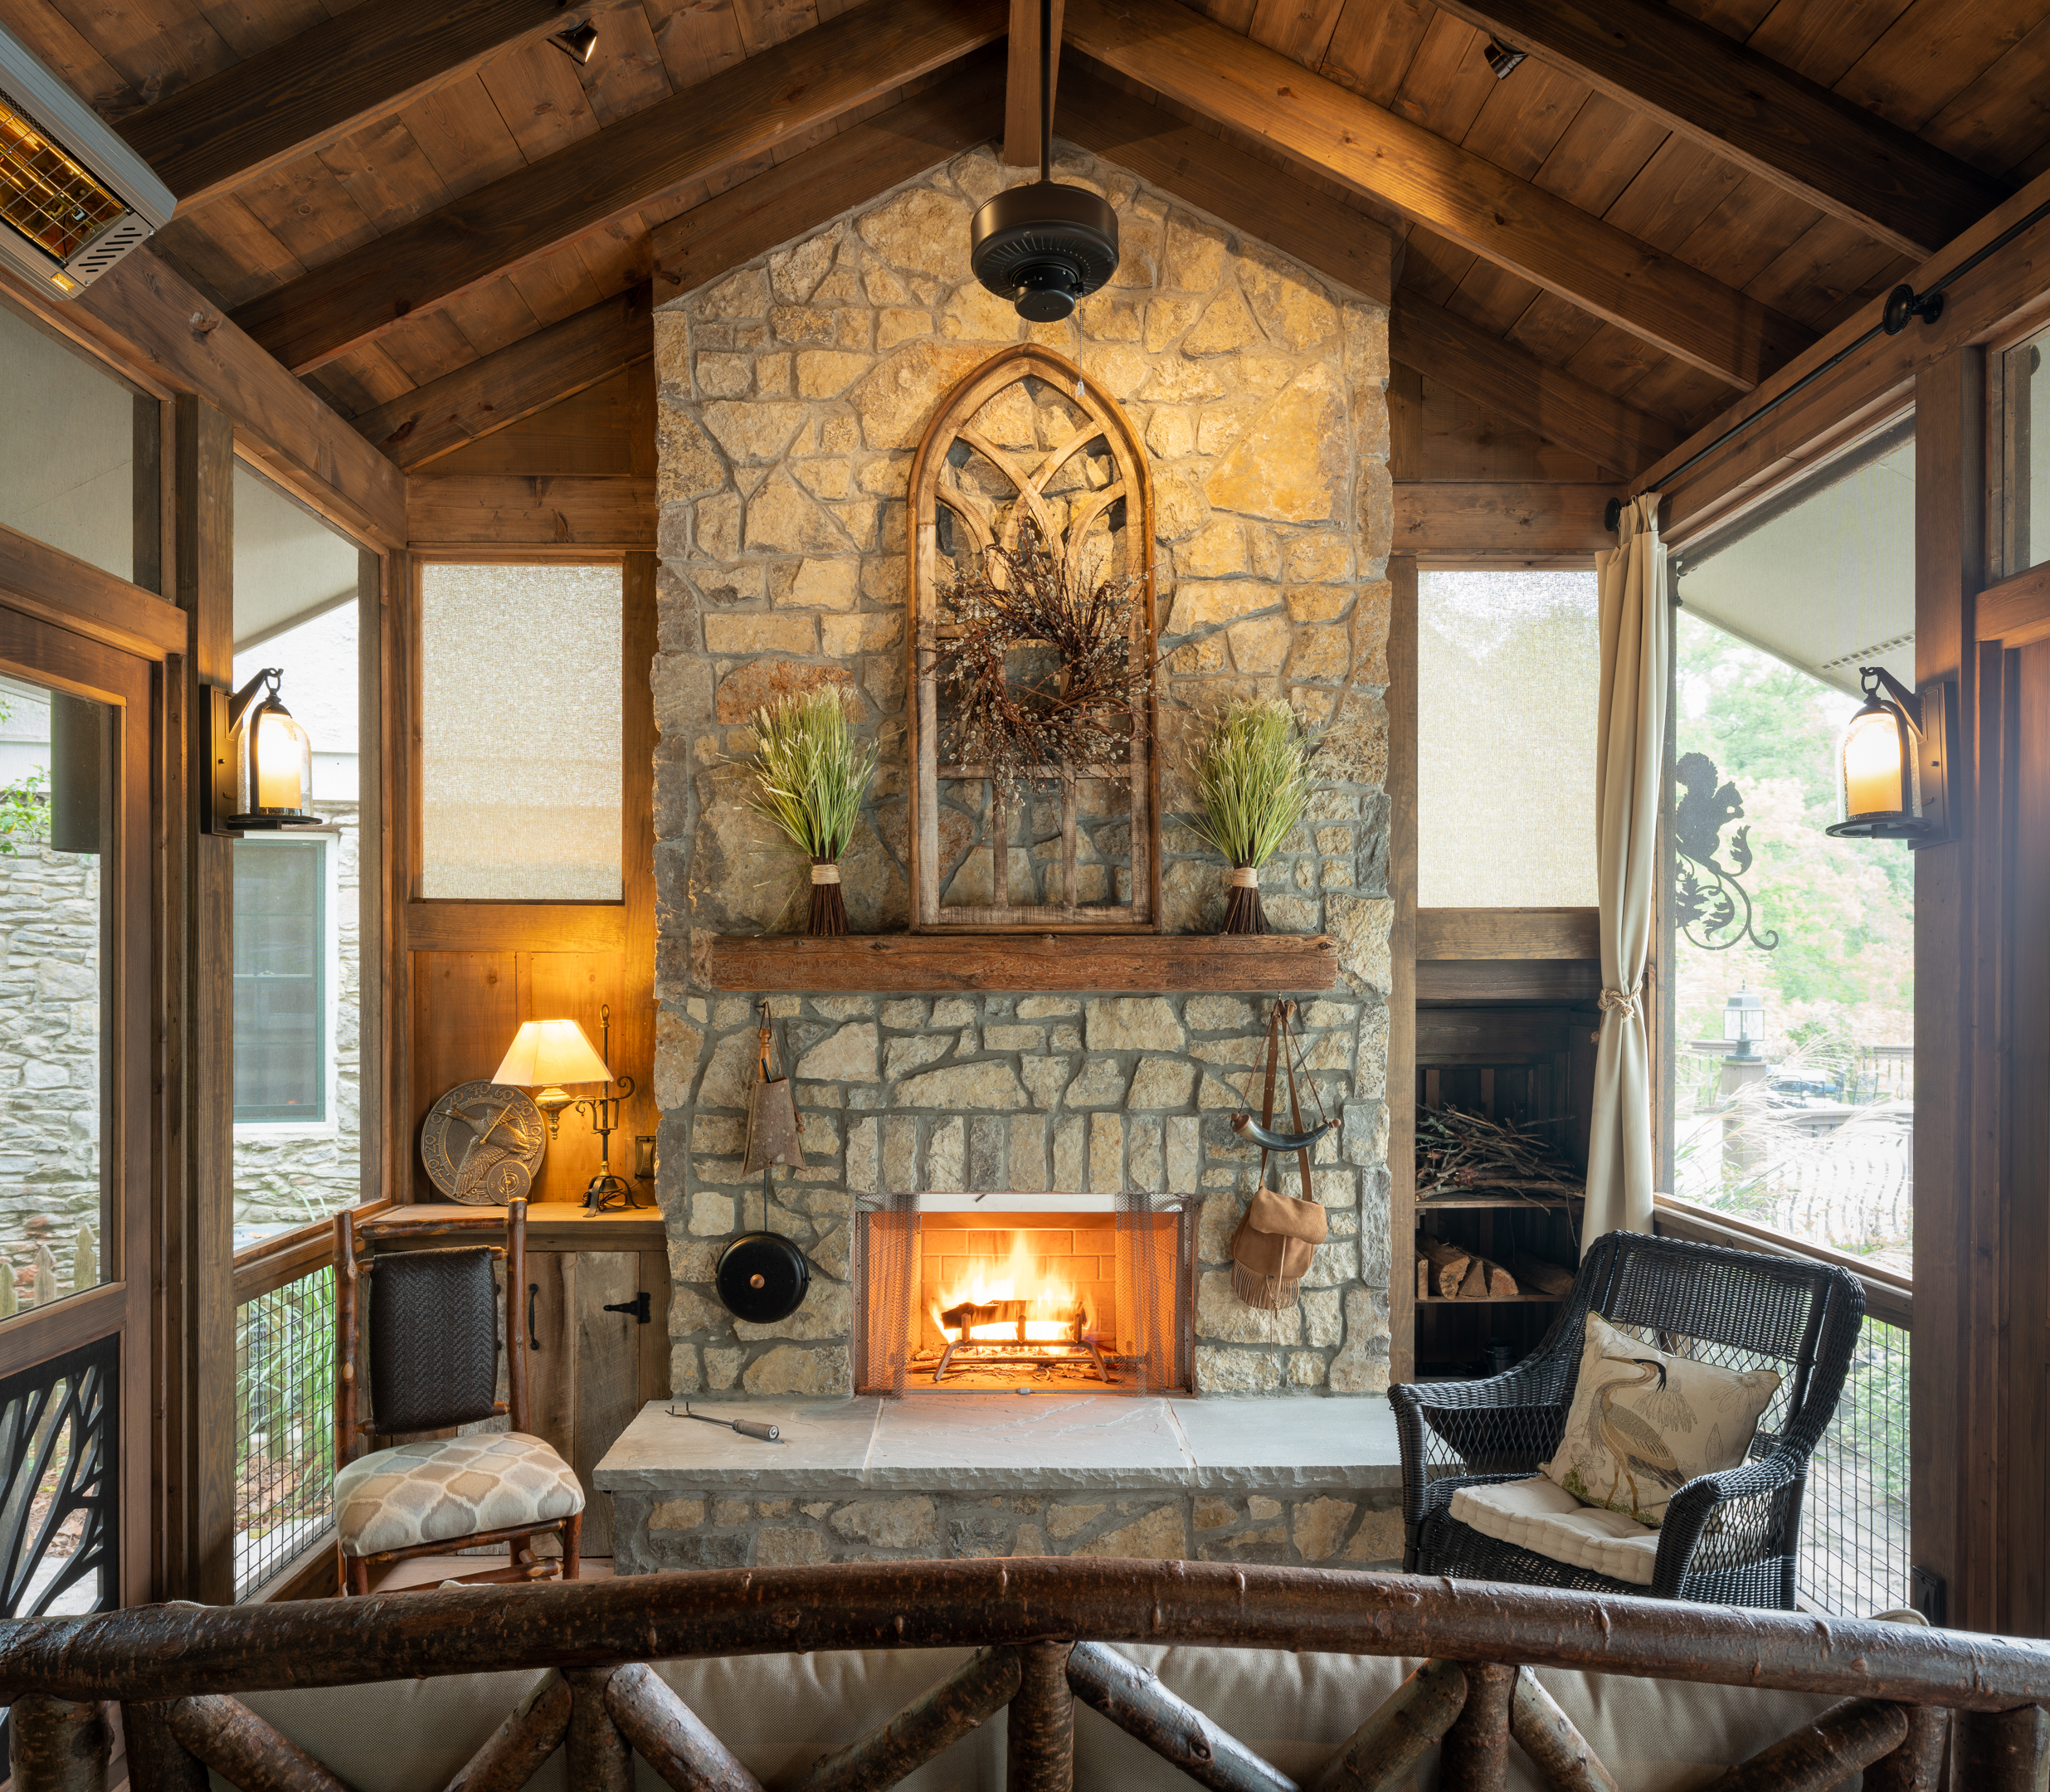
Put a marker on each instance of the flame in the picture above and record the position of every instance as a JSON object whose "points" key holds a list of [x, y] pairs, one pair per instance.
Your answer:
{"points": [[1051, 1317]]}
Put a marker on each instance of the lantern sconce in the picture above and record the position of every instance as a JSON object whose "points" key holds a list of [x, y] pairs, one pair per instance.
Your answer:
{"points": [[1893, 763], [262, 773]]}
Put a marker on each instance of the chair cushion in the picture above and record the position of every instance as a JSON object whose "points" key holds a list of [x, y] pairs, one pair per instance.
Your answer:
{"points": [[1643, 1423], [442, 1488], [1548, 1521]]}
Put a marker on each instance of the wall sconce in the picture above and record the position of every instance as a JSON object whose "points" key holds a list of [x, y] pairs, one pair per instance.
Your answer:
{"points": [[578, 42], [1502, 61], [1893, 763], [263, 761], [543, 1056]]}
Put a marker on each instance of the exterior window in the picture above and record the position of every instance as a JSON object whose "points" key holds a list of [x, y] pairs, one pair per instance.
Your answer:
{"points": [[281, 1040], [2021, 494]]}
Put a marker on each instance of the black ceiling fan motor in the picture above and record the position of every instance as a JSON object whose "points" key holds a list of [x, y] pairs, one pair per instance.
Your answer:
{"points": [[1045, 247]]}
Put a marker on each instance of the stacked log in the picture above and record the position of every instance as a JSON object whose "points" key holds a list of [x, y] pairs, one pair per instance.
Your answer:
{"points": [[1451, 1273], [1541, 1278]]}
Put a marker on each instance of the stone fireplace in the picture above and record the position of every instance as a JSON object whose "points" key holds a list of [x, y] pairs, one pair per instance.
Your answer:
{"points": [[793, 392], [1025, 1293]]}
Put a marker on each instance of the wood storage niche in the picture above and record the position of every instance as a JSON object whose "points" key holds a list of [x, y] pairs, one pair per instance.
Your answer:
{"points": [[1026, 436]]}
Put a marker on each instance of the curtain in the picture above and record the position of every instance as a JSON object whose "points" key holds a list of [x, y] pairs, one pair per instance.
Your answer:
{"points": [[1629, 759]]}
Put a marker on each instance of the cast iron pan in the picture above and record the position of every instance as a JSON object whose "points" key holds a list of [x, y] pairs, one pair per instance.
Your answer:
{"points": [[762, 1278]]}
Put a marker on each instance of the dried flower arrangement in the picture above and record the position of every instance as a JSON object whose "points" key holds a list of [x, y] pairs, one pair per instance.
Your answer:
{"points": [[1252, 775], [1082, 713], [809, 778]]}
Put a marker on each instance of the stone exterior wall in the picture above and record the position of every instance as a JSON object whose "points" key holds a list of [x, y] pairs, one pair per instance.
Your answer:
{"points": [[713, 1531], [793, 394]]}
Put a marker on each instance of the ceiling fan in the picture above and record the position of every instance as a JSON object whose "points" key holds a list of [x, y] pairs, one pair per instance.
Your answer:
{"points": [[1045, 246]]}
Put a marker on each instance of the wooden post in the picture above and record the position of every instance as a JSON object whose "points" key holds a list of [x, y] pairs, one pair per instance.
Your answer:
{"points": [[600, 1758], [2001, 1752], [1917, 1765], [55, 1746], [516, 1318], [1134, 1700], [1476, 1755], [156, 1761], [1837, 1744], [670, 1736], [1548, 1736], [1040, 1748], [1401, 1732], [982, 1685], [243, 1749], [513, 1752]]}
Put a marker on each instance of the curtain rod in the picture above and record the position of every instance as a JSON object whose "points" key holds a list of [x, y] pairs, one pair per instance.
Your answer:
{"points": [[1902, 305]]}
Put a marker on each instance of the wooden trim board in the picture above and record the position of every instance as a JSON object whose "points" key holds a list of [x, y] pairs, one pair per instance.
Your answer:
{"points": [[937, 962], [1486, 933]]}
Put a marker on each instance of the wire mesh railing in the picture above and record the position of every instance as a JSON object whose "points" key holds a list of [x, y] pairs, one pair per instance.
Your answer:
{"points": [[284, 1424], [1854, 1557]]}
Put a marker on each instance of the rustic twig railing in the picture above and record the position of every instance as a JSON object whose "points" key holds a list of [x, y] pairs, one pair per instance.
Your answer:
{"points": [[1039, 1625]]}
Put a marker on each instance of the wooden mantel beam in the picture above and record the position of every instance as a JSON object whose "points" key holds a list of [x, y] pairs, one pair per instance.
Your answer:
{"points": [[294, 98], [746, 111], [1824, 149], [1021, 88], [1505, 220], [1515, 384]]}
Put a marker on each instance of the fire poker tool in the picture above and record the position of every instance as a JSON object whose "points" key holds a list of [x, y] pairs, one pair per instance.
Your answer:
{"points": [[746, 1427]]}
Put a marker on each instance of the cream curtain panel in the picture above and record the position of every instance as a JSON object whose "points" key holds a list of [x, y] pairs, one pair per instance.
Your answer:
{"points": [[1629, 752]]}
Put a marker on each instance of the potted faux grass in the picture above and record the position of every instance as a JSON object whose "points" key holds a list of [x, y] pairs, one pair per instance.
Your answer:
{"points": [[811, 775], [1252, 779]]}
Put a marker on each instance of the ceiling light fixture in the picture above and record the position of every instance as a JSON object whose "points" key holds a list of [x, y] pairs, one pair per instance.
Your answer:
{"points": [[578, 42], [74, 198], [1504, 62], [1045, 246]]}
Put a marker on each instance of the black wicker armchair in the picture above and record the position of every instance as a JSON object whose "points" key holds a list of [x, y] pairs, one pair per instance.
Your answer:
{"points": [[1728, 1539]]}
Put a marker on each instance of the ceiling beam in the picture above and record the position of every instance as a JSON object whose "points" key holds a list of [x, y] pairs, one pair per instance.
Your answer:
{"points": [[1021, 87], [1462, 196], [1789, 131], [1317, 227], [1523, 524], [512, 383], [745, 111], [818, 184], [301, 94], [1514, 384]]}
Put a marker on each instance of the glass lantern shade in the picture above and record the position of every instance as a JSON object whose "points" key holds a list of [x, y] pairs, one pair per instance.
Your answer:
{"points": [[1879, 786], [274, 764], [1744, 1020]]}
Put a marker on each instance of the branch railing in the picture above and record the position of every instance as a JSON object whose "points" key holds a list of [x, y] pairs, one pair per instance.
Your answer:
{"points": [[1038, 1625], [1855, 1556]]}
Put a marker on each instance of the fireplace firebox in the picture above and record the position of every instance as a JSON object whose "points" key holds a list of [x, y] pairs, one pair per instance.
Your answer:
{"points": [[1044, 1294]]}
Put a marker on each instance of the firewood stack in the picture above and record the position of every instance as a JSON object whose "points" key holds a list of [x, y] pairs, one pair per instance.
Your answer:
{"points": [[1451, 1273]]}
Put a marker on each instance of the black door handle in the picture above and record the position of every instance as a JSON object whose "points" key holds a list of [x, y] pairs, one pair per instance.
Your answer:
{"points": [[638, 1307], [533, 1288]]}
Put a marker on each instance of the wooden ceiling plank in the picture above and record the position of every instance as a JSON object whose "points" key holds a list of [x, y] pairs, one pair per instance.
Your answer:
{"points": [[627, 74], [1514, 383], [1522, 119], [492, 314], [1552, 329], [1448, 81], [1823, 42], [538, 96], [360, 381], [1435, 268], [247, 28], [587, 435], [1301, 30], [297, 95], [460, 132], [2006, 109], [1460, 195], [1613, 360], [1600, 153], [1315, 227], [435, 347], [227, 250], [698, 38], [307, 209], [71, 56], [1827, 266], [1491, 297], [1374, 44], [766, 23], [384, 168], [1681, 184], [164, 46], [1021, 82], [790, 198], [1932, 53], [1741, 236], [512, 383], [557, 285], [1827, 151], [519, 218]]}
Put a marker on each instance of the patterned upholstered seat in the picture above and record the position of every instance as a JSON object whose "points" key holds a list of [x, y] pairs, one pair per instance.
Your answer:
{"points": [[446, 1488]]}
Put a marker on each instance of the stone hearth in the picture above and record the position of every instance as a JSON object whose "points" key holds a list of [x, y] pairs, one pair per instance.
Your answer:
{"points": [[940, 1474]]}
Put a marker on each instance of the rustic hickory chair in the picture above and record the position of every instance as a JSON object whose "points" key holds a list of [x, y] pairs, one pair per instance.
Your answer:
{"points": [[1728, 1539], [433, 1364]]}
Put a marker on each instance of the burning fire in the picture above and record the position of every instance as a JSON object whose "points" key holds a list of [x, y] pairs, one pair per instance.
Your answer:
{"points": [[1022, 1289]]}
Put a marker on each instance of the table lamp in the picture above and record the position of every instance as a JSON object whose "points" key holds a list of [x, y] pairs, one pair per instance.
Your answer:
{"points": [[546, 1054]]}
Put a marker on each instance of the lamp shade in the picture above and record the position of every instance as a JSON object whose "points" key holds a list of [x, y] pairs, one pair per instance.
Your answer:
{"points": [[546, 1052], [273, 758]]}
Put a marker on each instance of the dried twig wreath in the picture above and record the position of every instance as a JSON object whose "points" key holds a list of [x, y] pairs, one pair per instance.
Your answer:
{"points": [[1082, 713]]}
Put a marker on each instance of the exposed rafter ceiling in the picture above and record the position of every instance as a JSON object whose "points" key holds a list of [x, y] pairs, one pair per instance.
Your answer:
{"points": [[1660, 205]]}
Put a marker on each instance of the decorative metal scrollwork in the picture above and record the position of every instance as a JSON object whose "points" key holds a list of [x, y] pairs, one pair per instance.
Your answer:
{"points": [[1709, 902], [57, 1450]]}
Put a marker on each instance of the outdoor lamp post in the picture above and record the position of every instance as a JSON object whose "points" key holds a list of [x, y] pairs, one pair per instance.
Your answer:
{"points": [[1744, 1022], [1892, 763]]}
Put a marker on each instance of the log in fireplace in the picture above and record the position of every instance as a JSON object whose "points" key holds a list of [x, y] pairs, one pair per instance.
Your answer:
{"points": [[1027, 1293]]}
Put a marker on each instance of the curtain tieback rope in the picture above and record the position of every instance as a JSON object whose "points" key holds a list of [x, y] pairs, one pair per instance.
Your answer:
{"points": [[1623, 1002]]}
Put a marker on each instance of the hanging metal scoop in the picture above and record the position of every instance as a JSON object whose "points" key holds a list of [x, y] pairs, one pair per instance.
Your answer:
{"points": [[772, 1112], [1267, 1139]]}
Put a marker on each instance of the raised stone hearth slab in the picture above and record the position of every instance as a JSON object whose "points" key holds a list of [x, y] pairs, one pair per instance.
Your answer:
{"points": [[995, 1474]]}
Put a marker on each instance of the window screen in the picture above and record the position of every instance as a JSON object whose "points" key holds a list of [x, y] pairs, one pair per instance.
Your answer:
{"points": [[1508, 680], [2024, 396], [520, 745], [280, 1001]]}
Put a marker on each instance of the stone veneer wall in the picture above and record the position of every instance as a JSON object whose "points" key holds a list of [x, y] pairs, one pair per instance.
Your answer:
{"points": [[793, 393]]}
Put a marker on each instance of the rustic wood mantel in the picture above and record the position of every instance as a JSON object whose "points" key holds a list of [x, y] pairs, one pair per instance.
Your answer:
{"points": [[924, 963]]}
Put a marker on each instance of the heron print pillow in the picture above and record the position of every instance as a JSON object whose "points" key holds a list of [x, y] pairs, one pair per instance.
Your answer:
{"points": [[1642, 1423]]}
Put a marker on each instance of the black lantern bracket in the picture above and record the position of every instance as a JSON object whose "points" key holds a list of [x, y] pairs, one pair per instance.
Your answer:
{"points": [[1931, 714]]}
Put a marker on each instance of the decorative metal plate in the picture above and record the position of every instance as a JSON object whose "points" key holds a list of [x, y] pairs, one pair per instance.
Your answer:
{"points": [[482, 1143]]}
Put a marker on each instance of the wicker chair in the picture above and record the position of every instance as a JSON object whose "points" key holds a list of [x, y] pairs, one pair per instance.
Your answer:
{"points": [[1728, 1539]]}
